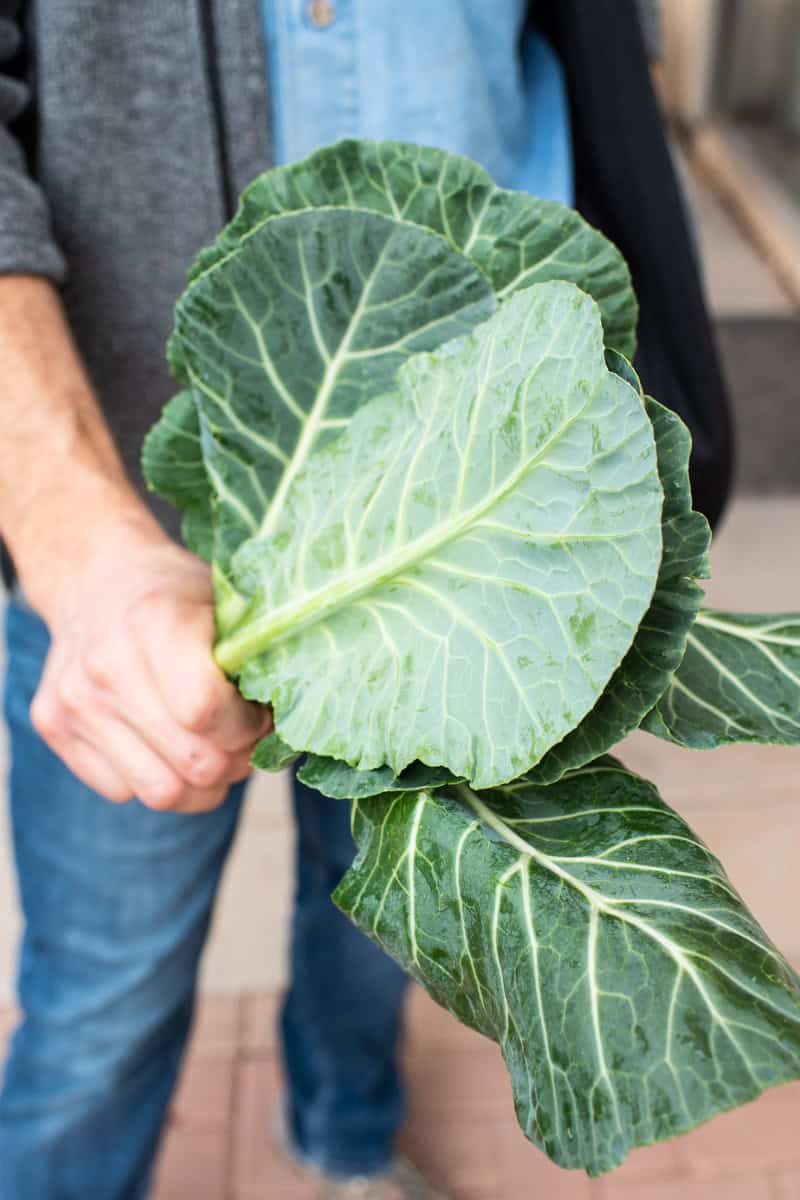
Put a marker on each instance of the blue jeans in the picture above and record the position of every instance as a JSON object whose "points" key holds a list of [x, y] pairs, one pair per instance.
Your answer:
{"points": [[117, 902]]}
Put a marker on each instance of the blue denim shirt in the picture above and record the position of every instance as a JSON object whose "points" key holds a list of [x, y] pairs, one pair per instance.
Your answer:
{"points": [[448, 73]]}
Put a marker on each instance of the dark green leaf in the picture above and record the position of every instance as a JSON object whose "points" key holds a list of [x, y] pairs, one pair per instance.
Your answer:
{"points": [[335, 779], [660, 642], [584, 927], [739, 682], [514, 238], [172, 462], [272, 754]]}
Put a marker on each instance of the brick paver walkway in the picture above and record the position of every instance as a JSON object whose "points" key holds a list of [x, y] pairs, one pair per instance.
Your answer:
{"points": [[461, 1127]]}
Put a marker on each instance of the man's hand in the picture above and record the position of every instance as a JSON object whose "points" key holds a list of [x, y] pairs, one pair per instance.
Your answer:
{"points": [[131, 698]]}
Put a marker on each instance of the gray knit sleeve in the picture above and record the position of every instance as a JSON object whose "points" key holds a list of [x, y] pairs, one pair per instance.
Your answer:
{"points": [[650, 17], [27, 245]]}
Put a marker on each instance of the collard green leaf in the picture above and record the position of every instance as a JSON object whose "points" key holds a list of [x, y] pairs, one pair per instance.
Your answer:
{"points": [[172, 462], [660, 641], [457, 576], [283, 340], [658, 648], [739, 682], [334, 269], [515, 239], [335, 779], [272, 754], [585, 928]]}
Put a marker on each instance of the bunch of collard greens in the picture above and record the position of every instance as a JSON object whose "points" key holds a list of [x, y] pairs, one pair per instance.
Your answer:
{"points": [[454, 547]]}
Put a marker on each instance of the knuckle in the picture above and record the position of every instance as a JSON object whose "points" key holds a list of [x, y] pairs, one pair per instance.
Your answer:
{"points": [[151, 606], [161, 794], [201, 709], [100, 668], [44, 718], [252, 726], [215, 799], [119, 795], [72, 692], [207, 768]]}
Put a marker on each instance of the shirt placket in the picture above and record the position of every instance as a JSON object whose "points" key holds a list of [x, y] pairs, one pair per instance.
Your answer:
{"points": [[320, 101]]}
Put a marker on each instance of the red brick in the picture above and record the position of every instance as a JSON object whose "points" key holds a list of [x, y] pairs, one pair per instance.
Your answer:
{"points": [[786, 1186], [259, 1032], [469, 1083], [216, 1023], [750, 1187], [258, 1167], [431, 1028], [651, 1162], [459, 1156], [204, 1099], [526, 1171], [761, 1134], [192, 1166]]}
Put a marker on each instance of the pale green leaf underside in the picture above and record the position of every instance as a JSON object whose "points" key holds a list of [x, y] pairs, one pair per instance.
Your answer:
{"points": [[334, 269], [469, 560], [585, 928], [283, 340], [660, 642], [658, 647], [739, 682]]}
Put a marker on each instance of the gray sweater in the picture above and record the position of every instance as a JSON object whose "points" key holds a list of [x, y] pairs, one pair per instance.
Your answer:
{"points": [[149, 119]]}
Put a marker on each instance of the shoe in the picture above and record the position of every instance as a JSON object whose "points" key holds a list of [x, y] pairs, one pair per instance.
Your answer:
{"points": [[401, 1180]]}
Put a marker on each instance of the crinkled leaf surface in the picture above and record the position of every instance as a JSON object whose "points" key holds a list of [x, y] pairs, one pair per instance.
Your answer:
{"points": [[584, 927], [283, 340], [739, 682], [172, 462], [333, 271], [272, 754], [341, 782], [658, 647], [457, 576], [660, 642], [514, 238]]}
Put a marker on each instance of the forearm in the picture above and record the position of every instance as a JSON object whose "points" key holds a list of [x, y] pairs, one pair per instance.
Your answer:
{"points": [[61, 478]]}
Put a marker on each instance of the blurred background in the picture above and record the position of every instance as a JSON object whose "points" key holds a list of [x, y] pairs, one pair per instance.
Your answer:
{"points": [[730, 82]]}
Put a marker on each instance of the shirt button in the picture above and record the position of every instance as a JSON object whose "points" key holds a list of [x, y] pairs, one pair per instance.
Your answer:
{"points": [[321, 13]]}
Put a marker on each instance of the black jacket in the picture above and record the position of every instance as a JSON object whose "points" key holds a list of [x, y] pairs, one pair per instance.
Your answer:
{"points": [[626, 185]]}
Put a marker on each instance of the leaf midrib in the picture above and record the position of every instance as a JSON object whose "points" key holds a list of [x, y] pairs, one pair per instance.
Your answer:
{"points": [[600, 904], [253, 638]]}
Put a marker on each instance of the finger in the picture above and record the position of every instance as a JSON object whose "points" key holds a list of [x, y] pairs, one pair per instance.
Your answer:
{"points": [[93, 770], [240, 766], [200, 800], [83, 760], [195, 691], [51, 722], [145, 773], [127, 686]]}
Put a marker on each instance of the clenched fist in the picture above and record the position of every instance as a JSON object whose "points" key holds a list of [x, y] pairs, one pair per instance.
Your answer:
{"points": [[131, 698]]}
